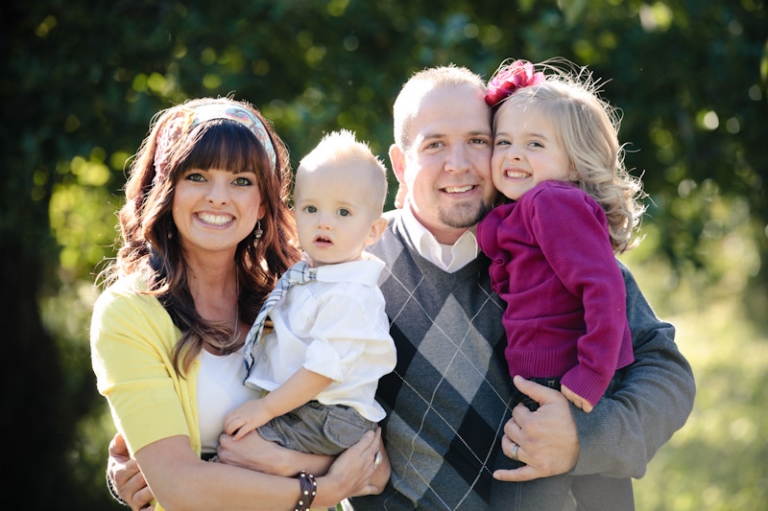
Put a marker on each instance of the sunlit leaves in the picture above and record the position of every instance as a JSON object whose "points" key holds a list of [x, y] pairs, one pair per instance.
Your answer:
{"points": [[337, 7], [655, 17], [82, 214], [48, 24], [708, 120]]}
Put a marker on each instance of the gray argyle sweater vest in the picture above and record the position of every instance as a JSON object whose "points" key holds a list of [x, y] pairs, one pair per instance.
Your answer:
{"points": [[447, 400]]}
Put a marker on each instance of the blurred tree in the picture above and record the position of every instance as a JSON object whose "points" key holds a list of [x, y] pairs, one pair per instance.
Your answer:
{"points": [[82, 79]]}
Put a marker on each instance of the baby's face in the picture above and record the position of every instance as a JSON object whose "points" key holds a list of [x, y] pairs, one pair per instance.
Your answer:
{"points": [[335, 212]]}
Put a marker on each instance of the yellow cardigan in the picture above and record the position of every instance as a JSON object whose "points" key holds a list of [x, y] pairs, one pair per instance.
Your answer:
{"points": [[132, 338]]}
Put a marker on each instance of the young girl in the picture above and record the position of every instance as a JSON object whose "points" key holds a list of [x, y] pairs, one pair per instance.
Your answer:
{"points": [[572, 206]]}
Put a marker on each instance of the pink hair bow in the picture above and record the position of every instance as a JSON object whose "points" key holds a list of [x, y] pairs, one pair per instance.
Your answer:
{"points": [[509, 78]]}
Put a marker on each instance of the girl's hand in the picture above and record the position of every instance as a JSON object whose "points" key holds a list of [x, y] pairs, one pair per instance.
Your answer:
{"points": [[576, 399]]}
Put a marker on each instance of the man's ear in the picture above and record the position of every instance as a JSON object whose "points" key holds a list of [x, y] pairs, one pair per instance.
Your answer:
{"points": [[397, 158], [377, 229]]}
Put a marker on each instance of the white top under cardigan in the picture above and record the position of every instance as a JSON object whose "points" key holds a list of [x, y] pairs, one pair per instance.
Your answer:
{"points": [[220, 390]]}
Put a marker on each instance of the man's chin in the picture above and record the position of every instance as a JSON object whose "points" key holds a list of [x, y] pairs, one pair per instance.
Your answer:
{"points": [[464, 217]]}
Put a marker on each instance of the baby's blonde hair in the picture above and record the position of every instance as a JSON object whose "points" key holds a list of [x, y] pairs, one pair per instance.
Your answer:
{"points": [[588, 127], [343, 146]]}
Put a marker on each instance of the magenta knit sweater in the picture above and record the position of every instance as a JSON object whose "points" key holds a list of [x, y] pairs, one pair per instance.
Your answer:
{"points": [[553, 264]]}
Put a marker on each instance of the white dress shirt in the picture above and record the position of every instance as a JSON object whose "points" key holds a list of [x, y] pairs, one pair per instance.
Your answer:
{"points": [[335, 326], [449, 258]]}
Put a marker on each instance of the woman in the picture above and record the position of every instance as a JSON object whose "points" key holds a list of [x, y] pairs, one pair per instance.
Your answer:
{"points": [[205, 234]]}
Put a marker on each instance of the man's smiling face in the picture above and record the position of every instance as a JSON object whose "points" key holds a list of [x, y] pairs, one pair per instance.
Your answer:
{"points": [[447, 166]]}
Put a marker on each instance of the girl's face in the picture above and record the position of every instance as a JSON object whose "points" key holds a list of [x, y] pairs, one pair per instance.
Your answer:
{"points": [[526, 151], [215, 209]]}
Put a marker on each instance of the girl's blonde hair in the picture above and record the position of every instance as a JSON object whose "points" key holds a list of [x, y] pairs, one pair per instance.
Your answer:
{"points": [[588, 127]]}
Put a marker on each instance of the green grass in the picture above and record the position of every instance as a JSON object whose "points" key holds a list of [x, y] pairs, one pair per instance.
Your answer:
{"points": [[719, 460]]}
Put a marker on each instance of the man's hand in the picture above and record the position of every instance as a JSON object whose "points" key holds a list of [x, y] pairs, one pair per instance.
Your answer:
{"points": [[126, 477], [548, 440]]}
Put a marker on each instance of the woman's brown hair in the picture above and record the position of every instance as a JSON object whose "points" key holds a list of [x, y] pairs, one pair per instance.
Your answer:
{"points": [[150, 244]]}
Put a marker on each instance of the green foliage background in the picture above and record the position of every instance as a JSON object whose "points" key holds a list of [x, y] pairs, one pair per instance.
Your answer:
{"points": [[82, 78]]}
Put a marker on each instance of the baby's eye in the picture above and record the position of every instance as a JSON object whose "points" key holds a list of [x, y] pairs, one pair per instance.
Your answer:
{"points": [[344, 212], [310, 209], [502, 142]]}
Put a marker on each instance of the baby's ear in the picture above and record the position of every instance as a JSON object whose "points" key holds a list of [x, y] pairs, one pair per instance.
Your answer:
{"points": [[377, 229]]}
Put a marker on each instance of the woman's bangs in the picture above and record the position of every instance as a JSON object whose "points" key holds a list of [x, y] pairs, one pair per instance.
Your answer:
{"points": [[225, 145]]}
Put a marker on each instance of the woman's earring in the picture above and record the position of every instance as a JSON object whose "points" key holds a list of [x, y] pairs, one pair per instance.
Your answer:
{"points": [[258, 233], [169, 230]]}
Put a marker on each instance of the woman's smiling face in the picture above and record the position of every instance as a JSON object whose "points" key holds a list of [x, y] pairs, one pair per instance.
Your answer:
{"points": [[215, 209]]}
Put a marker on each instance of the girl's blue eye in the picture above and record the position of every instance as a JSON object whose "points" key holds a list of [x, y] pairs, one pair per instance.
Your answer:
{"points": [[344, 212], [310, 209]]}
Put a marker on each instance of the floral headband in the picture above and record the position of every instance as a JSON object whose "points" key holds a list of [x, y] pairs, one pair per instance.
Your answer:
{"points": [[509, 78], [187, 117]]}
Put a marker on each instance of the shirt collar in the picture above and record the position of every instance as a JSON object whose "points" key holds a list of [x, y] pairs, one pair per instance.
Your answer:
{"points": [[449, 258], [364, 271]]}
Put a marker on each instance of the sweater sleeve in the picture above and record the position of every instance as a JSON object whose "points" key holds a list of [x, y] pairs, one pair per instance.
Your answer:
{"points": [[653, 400], [130, 334], [571, 230], [487, 234]]}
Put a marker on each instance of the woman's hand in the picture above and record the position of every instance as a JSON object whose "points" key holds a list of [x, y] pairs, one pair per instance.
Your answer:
{"points": [[547, 439], [127, 479]]}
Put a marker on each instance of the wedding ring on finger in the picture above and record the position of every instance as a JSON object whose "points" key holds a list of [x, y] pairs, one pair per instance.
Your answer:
{"points": [[377, 459], [514, 453]]}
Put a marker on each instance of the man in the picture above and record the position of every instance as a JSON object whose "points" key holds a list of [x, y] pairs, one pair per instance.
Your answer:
{"points": [[447, 400]]}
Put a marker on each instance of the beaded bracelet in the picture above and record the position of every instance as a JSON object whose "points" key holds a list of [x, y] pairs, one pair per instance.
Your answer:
{"points": [[308, 491]]}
